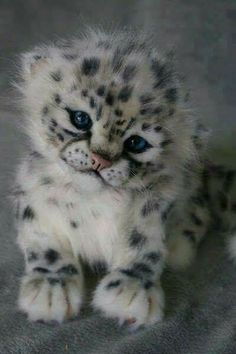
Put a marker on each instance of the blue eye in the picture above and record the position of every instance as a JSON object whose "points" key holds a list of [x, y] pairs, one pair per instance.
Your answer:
{"points": [[136, 144], [80, 119]]}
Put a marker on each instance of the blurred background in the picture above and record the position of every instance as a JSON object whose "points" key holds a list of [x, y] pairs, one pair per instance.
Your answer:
{"points": [[201, 303], [200, 31]]}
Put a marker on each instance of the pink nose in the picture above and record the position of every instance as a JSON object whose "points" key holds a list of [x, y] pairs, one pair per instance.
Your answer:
{"points": [[98, 162]]}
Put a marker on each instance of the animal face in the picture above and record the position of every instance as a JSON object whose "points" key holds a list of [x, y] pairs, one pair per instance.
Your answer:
{"points": [[107, 106]]}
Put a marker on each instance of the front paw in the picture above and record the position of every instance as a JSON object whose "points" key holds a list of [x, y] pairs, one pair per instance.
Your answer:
{"points": [[125, 298], [51, 297]]}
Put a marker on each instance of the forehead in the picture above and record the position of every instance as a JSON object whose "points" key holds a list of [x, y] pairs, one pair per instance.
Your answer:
{"points": [[113, 77]]}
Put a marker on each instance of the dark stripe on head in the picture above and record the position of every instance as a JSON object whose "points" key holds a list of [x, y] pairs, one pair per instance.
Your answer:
{"points": [[101, 90], [171, 95], [125, 93], [109, 99], [129, 72], [90, 66]]}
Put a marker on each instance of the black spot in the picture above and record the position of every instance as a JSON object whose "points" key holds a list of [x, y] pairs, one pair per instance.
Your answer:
{"points": [[148, 284], [142, 268], [32, 256], [171, 95], [101, 90], [166, 143], [113, 284], [73, 224], [60, 137], [149, 207], [57, 98], [52, 129], [153, 257], [56, 76], [146, 126], [195, 219], [125, 93], [90, 66], [120, 122], [130, 273], [129, 72], [109, 99], [145, 111], [118, 112], [136, 239], [84, 93], [68, 270], [54, 123], [146, 98], [99, 112], [28, 213], [92, 102], [51, 256], [41, 270], [157, 110], [37, 57], [190, 235], [158, 128], [45, 110]]}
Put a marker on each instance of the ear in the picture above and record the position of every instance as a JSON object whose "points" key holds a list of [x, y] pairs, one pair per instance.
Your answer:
{"points": [[33, 62]]}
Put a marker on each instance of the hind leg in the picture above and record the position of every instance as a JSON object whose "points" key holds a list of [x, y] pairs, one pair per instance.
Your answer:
{"points": [[186, 232]]}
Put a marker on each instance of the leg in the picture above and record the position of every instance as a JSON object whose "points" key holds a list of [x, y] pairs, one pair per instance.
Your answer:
{"points": [[185, 231], [51, 289], [131, 291]]}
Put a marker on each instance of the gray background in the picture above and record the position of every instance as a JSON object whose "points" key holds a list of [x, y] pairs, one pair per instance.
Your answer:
{"points": [[201, 302]]}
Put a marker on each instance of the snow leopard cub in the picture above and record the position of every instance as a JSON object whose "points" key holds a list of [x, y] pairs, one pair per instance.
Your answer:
{"points": [[114, 166]]}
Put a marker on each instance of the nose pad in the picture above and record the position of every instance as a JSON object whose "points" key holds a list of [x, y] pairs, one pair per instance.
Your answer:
{"points": [[98, 162]]}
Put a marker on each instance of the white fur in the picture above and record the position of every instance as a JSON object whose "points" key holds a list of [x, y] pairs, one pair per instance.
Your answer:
{"points": [[117, 218]]}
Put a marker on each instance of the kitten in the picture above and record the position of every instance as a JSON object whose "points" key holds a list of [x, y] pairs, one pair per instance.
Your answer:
{"points": [[115, 166]]}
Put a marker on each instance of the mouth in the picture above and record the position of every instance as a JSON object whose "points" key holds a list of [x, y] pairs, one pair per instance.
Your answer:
{"points": [[94, 174]]}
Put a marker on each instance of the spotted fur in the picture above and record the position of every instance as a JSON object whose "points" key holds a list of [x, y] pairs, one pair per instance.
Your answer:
{"points": [[128, 215]]}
